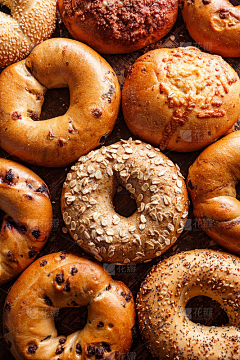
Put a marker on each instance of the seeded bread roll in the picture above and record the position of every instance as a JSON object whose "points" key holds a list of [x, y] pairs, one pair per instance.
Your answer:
{"points": [[164, 324], [153, 181], [27, 222], [30, 22], [180, 99], [116, 26], [62, 280]]}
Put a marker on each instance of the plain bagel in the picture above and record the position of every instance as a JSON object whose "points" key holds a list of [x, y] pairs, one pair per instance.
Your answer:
{"points": [[62, 280], [212, 181], [153, 181], [161, 306], [30, 22], [218, 25], [27, 222], [93, 110]]}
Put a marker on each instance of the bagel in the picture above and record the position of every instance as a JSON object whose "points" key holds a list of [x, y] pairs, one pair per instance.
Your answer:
{"points": [[93, 110], [161, 306], [114, 27], [153, 181], [62, 280], [27, 222], [180, 99], [30, 23], [212, 181], [218, 25]]}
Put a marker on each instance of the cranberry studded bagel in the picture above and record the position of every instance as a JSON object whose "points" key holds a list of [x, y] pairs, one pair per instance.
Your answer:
{"points": [[161, 306], [30, 22], [214, 24], [153, 181], [27, 222], [212, 182], [118, 26], [93, 110], [63, 280], [180, 99]]}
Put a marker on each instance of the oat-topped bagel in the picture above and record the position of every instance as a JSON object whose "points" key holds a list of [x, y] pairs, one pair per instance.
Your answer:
{"points": [[62, 280], [116, 26], [161, 305], [94, 103], [30, 22], [27, 222], [218, 25], [181, 99], [212, 181], [154, 182]]}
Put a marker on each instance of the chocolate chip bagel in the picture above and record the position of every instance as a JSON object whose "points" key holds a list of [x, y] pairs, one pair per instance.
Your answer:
{"points": [[153, 181], [62, 280], [161, 306], [26, 225]]}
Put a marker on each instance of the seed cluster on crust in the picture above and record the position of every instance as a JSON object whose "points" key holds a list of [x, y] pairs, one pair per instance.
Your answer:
{"points": [[30, 22], [164, 323], [153, 181]]}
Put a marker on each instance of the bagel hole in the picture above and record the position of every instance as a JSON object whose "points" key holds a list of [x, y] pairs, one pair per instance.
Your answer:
{"points": [[206, 311], [56, 103], [123, 204], [69, 320], [238, 191], [5, 9], [234, 2]]}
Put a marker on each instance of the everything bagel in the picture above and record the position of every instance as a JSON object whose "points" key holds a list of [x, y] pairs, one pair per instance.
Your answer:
{"points": [[93, 110], [27, 222], [161, 306], [62, 280]]}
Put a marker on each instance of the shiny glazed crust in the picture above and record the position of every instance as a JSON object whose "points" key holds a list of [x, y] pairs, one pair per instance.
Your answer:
{"points": [[115, 26], [212, 181], [218, 25], [62, 280], [30, 22], [180, 99], [153, 181], [27, 221], [164, 324], [94, 103]]}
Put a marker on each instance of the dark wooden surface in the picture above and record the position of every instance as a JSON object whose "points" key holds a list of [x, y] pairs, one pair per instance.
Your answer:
{"points": [[56, 103]]}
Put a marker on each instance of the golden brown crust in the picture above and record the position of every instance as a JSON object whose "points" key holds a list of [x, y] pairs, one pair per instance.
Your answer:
{"points": [[18, 34], [27, 221], [214, 24], [112, 27], [180, 99], [161, 306], [93, 110], [153, 181], [63, 280], [212, 184]]}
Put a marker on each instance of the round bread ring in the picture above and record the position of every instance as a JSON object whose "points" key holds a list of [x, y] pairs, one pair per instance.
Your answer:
{"points": [[115, 27], [161, 306], [63, 280], [93, 110], [218, 25], [212, 181], [180, 99], [30, 22], [27, 221], [153, 181]]}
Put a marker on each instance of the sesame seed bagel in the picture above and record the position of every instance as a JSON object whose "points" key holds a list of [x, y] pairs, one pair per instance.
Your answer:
{"points": [[212, 181], [153, 181], [94, 103], [161, 306], [180, 99], [27, 221], [30, 22], [63, 280], [119, 26], [218, 25]]}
